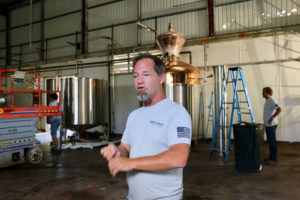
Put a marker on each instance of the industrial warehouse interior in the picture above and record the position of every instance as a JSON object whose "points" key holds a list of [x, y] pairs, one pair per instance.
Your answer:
{"points": [[73, 99]]}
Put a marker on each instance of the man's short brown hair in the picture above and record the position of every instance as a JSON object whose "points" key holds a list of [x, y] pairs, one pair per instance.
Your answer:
{"points": [[268, 90], [159, 66]]}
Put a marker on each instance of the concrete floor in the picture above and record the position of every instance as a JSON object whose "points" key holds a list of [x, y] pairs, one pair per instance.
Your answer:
{"points": [[83, 175]]}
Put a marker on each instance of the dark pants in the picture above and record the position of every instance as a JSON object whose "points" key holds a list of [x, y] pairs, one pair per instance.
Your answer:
{"points": [[271, 137]]}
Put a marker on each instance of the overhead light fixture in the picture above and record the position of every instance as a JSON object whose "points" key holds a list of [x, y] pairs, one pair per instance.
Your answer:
{"points": [[146, 27], [294, 10]]}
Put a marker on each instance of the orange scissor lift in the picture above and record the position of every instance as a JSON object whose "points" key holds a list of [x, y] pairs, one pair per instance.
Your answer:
{"points": [[17, 123]]}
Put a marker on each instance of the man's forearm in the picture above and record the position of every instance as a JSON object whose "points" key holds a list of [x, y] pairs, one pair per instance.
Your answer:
{"points": [[173, 158], [124, 150], [278, 110], [170, 159]]}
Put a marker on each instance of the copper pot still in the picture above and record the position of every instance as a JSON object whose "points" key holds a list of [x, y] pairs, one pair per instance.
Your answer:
{"points": [[171, 44], [182, 79]]}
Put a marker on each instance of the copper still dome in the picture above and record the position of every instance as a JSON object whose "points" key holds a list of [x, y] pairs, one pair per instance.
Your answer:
{"points": [[171, 43]]}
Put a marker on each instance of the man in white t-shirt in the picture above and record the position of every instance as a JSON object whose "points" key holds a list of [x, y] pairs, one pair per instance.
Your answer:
{"points": [[156, 141], [55, 123], [271, 111]]}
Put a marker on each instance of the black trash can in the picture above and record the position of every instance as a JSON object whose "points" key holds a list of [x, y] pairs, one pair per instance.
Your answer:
{"points": [[249, 146]]}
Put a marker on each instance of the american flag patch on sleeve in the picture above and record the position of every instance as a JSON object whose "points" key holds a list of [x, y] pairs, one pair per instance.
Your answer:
{"points": [[183, 132]]}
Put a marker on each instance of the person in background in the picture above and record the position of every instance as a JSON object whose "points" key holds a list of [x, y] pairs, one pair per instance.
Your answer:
{"points": [[271, 111], [54, 124], [156, 142]]}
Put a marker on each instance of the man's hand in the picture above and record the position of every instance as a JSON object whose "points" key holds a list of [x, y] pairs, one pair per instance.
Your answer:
{"points": [[119, 164], [109, 152], [270, 120]]}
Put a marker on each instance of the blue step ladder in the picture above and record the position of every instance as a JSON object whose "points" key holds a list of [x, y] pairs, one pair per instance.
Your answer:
{"points": [[211, 115], [236, 75]]}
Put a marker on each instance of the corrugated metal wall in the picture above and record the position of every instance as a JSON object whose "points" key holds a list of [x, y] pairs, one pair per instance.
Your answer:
{"points": [[60, 47], [59, 7], [62, 33], [239, 16], [126, 35], [148, 37], [21, 15], [192, 24], [109, 20], [151, 8], [189, 17], [20, 34], [63, 25], [112, 14], [115, 13], [99, 40]]}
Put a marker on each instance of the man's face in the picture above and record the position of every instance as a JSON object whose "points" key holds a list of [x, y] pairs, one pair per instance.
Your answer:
{"points": [[264, 94], [146, 81]]}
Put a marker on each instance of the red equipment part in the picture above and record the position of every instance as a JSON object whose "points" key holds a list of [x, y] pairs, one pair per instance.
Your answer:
{"points": [[37, 109]]}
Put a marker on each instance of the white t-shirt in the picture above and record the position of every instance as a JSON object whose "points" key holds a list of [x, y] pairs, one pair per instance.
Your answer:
{"points": [[54, 117], [151, 131], [270, 108]]}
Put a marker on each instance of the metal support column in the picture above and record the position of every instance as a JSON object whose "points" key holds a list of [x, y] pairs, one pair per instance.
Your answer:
{"points": [[83, 27], [139, 30], [110, 66], [8, 38], [211, 17], [155, 33], [220, 143], [42, 56]]}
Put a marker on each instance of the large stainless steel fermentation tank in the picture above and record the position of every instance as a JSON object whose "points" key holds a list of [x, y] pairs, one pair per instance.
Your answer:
{"points": [[84, 101]]}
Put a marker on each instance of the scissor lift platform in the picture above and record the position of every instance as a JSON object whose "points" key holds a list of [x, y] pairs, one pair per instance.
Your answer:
{"points": [[18, 124]]}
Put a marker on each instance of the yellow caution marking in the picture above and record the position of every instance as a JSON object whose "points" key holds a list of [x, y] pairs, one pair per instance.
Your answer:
{"points": [[5, 143]]}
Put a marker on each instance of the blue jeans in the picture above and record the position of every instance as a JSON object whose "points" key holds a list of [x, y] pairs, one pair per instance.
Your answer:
{"points": [[54, 126], [271, 137]]}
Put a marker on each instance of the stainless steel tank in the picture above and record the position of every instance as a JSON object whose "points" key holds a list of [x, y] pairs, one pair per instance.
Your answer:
{"points": [[83, 100], [182, 79], [180, 93], [221, 136]]}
